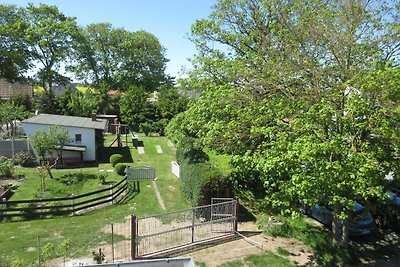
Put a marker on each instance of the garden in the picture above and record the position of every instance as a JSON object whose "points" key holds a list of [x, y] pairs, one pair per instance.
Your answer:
{"points": [[81, 233]]}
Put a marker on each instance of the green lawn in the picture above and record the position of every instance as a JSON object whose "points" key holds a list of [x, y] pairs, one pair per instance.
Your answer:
{"points": [[19, 239], [268, 259]]}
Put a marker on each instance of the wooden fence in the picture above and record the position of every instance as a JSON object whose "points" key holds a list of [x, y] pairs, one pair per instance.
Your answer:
{"points": [[41, 208]]}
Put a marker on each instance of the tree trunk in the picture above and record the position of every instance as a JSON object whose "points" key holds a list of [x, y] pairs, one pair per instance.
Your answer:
{"points": [[345, 233], [49, 172], [336, 227]]}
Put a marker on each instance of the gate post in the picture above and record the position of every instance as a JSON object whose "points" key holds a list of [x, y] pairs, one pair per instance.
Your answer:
{"points": [[133, 236], [235, 224]]}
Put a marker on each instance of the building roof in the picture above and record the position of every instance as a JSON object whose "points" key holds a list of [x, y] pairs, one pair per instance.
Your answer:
{"points": [[8, 89], [68, 121]]}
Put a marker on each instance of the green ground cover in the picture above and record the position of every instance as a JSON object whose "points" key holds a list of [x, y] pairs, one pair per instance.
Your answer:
{"points": [[19, 239], [267, 259]]}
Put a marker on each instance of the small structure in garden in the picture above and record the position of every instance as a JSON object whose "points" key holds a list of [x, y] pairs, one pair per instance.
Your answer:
{"points": [[86, 134]]}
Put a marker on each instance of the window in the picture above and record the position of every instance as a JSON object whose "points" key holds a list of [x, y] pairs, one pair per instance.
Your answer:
{"points": [[78, 138]]}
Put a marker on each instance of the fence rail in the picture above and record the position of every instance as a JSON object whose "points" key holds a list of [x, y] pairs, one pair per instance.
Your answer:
{"points": [[34, 208]]}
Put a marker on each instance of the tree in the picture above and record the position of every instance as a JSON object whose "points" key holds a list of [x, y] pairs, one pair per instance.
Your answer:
{"points": [[45, 102], [96, 53], [135, 108], [142, 61], [304, 96], [45, 142], [50, 35], [14, 53], [115, 58], [10, 113]]}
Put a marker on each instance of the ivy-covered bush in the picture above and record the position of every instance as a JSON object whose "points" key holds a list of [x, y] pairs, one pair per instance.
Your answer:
{"points": [[6, 167], [120, 168], [25, 159], [116, 158]]}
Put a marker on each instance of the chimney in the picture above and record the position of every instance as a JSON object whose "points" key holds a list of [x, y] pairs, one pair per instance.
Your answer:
{"points": [[94, 116]]}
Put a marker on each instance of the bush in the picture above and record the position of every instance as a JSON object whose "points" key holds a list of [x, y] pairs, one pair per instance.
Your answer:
{"points": [[147, 128], [116, 158], [120, 168], [25, 159], [6, 167]]}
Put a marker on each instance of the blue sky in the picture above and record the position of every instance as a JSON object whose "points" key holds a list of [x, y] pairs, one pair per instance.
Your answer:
{"points": [[168, 20]]}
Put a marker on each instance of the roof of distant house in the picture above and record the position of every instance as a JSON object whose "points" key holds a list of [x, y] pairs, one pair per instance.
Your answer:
{"points": [[70, 121], [8, 89]]}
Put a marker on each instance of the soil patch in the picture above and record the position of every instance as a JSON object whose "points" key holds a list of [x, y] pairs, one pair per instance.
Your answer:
{"points": [[253, 242]]}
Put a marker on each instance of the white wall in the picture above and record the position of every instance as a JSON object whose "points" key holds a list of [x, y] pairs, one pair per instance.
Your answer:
{"points": [[88, 137], [175, 168]]}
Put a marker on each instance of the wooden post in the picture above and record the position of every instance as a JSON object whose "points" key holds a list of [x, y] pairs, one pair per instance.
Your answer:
{"points": [[111, 194], [112, 242], [192, 224], [133, 237], [4, 200], [73, 204]]}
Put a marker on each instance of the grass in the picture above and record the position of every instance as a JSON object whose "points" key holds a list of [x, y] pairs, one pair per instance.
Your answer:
{"points": [[317, 238], [19, 239], [268, 259]]}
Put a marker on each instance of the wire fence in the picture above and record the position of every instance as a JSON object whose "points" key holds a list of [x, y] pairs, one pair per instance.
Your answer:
{"points": [[168, 231]]}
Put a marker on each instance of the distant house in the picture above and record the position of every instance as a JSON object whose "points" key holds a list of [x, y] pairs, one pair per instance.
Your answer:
{"points": [[8, 89], [86, 133]]}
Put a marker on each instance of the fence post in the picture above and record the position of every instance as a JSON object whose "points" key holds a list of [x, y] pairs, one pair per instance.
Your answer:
{"points": [[235, 225], [133, 237], [38, 249], [4, 200], [111, 194], [73, 204], [192, 224], [112, 242]]}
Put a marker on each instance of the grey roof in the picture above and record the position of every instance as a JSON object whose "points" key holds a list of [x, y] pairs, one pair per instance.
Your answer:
{"points": [[70, 121]]}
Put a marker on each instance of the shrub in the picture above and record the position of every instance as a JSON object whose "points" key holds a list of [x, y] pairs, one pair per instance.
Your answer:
{"points": [[120, 168], [116, 158], [102, 177], [6, 167], [147, 128], [25, 159]]}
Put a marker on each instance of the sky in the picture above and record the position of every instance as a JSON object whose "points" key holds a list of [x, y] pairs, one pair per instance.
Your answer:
{"points": [[168, 20]]}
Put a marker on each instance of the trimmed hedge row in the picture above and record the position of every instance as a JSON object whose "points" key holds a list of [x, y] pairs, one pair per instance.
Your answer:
{"points": [[201, 181]]}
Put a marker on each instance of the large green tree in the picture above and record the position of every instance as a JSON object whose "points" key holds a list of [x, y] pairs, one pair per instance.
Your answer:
{"points": [[304, 95], [50, 36], [14, 53], [112, 57]]}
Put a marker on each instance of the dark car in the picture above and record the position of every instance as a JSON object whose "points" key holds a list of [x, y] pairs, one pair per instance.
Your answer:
{"points": [[388, 214], [362, 226]]}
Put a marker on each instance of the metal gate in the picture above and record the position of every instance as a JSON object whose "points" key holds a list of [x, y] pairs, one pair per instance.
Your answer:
{"points": [[168, 231]]}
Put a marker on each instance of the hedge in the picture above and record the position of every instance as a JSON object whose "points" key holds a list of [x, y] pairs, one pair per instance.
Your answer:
{"points": [[116, 158], [120, 168]]}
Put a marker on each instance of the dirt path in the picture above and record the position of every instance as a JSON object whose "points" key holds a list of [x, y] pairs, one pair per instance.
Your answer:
{"points": [[256, 243]]}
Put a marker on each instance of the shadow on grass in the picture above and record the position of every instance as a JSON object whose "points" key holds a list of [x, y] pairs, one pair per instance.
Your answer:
{"points": [[382, 246], [124, 151], [319, 239]]}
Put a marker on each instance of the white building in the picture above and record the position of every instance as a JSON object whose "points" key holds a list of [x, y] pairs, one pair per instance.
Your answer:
{"points": [[85, 133]]}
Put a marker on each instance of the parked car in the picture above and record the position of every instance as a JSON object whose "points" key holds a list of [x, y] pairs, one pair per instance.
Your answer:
{"points": [[388, 214], [362, 226]]}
